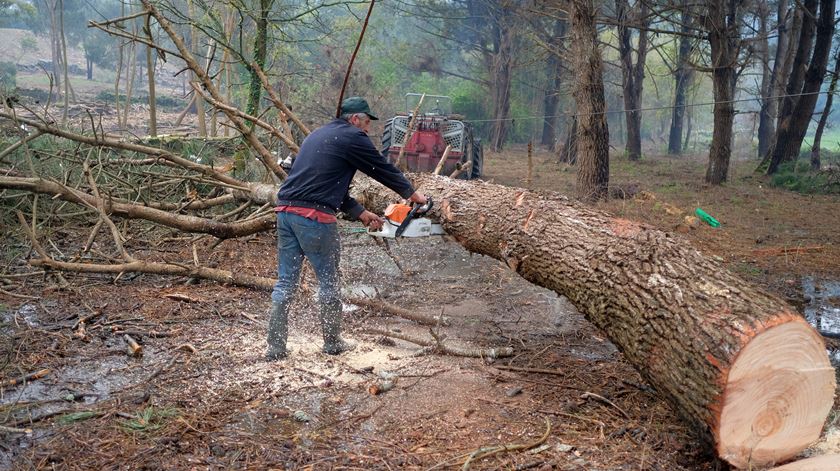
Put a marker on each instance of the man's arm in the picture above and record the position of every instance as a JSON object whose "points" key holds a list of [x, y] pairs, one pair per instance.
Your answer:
{"points": [[364, 157]]}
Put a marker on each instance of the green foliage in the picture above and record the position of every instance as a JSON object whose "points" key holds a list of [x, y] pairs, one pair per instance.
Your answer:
{"points": [[99, 49], [150, 419], [797, 176], [8, 77], [73, 417], [28, 44]]}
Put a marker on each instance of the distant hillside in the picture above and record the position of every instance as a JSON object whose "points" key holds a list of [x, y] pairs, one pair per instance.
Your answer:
{"points": [[13, 52]]}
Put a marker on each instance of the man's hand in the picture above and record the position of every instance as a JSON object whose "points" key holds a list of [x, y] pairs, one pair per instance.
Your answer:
{"points": [[372, 221], [418, 198]]}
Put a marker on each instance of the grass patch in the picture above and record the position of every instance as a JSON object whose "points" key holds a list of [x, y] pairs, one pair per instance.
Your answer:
{"points": [[149, 420], [798, 177], [74, 417]]}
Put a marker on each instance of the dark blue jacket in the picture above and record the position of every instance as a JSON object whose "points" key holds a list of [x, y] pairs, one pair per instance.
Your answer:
{"points": [[328, 159]]}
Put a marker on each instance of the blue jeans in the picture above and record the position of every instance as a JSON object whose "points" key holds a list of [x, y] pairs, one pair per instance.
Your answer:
{"points": [[297, 237]]}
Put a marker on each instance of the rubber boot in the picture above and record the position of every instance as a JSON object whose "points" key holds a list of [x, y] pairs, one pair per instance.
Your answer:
{"points": [[330, 315], [278, 331]]}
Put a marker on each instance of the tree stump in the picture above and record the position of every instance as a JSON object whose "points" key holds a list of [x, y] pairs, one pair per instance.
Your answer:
{"points": [[740, 365]]}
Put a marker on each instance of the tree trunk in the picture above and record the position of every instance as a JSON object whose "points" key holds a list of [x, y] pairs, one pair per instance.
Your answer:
{"points": [[89, 68], [739, 365], [632, 75], [568, 152], [832, 87], [55, 54], [199, 101], [150, 69], [64, 64], [770, 101], [260, 54], [552, 92], [792, 130], [681, 76], [593, 136], [724, 39], [129, 76], [118, 73], [502, 79], [763, 53], [688, 121]]}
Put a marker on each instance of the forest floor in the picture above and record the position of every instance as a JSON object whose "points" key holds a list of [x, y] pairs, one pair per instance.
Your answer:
{"points": [[201, 396]]}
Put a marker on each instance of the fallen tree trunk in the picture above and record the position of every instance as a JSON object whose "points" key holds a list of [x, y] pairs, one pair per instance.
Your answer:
{"points": [[740, 365]]}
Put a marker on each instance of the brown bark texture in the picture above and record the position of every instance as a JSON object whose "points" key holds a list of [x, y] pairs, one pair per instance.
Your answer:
{"points": [[815, 147], [681, 78], [632, 74], [724, 39], [678, 317], [593, 136], [791, 131]]}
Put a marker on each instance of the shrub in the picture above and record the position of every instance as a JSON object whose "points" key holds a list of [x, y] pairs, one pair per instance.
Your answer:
{"points": [[797, 176], [8, 76]]}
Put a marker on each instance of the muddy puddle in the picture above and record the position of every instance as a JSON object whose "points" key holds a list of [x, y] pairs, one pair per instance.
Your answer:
{"points": [[822, 309]]}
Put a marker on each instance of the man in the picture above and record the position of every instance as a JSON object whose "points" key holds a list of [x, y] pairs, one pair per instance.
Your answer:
{"points": [[318, 186]]}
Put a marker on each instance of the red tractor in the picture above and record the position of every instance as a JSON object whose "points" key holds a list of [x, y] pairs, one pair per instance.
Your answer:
{"points": [[434, 129]]}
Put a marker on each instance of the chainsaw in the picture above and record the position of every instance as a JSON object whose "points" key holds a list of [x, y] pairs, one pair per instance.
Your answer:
{"points": [[402, 220]]}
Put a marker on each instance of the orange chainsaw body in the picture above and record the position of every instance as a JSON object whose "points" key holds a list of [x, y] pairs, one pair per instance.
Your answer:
{"points": [[397, 212]]}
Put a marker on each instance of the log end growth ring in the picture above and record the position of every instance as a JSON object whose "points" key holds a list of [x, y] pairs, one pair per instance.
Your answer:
{"points": [[777, 396]]}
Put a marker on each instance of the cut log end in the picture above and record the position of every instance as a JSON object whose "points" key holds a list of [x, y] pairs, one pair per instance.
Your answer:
{"points": [[777, 397]]}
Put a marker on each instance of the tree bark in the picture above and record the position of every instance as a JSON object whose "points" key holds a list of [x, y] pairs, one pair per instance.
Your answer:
{"points": [[260, 54], [502, 79], [568, 152], [739, 365], [681, 77], [593, 136], [632, 75], [150, 70], [552, 92], [770, 101], [724, 39], [832, 87], [792, 130]]}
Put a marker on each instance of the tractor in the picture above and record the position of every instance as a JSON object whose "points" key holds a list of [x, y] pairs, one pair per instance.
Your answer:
{"points": [[434, 129]]}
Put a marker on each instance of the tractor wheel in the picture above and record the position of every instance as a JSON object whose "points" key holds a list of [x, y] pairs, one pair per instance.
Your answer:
{"points": [[386, 136], [477, 159], [469, 150]]}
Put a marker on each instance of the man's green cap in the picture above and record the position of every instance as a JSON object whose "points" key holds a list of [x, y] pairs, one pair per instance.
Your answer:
{"points": [[356, 104]]}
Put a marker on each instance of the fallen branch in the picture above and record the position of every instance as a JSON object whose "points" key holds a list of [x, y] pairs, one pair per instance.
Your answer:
{"points": [[531, 370], [599, 398], [400, 163], [221, 276], [182, 222], [250, 136], [25, 378], [440, 347], [378, 304], [442, 161], [461, 168], [776, 251], [134, 349], [4, 429], [142, 333], [16, 295], [489, 451], [278, 103]]}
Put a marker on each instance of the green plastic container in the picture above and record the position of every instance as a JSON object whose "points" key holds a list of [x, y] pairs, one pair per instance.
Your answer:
{"points": [[706, 217]]}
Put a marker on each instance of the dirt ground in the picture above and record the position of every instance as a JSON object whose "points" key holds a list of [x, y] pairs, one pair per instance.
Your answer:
{"points": [[201, 397]]}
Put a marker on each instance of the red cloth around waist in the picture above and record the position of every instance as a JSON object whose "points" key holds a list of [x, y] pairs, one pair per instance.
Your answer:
{"points": [[308, 213]]}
